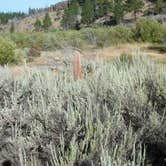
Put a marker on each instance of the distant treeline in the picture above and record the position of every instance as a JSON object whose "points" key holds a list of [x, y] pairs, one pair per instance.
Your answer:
{"points": [[5, 17], [87, 11]]}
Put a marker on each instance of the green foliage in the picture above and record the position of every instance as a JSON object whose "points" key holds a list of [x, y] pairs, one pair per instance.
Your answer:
{"points": [[70, 17], [88, 12], [54, 30], [7, 52], [20, 54], [38, 25], [149, 30], [94, 9], [99, 36], [134, 6], [24, 40], [120, 34], [62, 39], [12, 28], [103, 7], [108, 36], [118, 8], [5, 17], [125, 60], [47, 22], [160, 6]]}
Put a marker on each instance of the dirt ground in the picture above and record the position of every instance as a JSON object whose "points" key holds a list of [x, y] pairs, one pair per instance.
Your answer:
{"points": [[54, 60]]}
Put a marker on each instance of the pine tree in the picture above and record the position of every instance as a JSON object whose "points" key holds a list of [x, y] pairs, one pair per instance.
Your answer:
{"points": [[134, 6], [88, 12], [117, 8], [102, 7], [47, 22], [160, 6], [106, 6], [70, 17], [38, 25]]}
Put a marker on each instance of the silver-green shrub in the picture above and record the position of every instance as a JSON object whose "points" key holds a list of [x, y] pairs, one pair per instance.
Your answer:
{"points": [[115, 116]]}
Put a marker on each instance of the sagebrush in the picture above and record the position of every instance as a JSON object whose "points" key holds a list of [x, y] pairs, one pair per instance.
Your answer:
{"points": [[114, 116]]}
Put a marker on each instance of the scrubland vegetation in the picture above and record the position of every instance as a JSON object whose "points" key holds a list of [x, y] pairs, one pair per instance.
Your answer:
{"points": [[113, 113], [98, 37], [115, 116]]}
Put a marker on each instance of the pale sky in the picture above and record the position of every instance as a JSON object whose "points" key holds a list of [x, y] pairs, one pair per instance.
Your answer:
{"points": [[23, 5]]}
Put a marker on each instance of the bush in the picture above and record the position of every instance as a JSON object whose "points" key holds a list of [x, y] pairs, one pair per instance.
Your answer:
{"points": [[97, 36], [20, 39], [163, 38], [7, 52], [77, 37], [20, 54], [24, 40], [52, 42], [149, 30], [144, 30], [36, 39], [120, 34], [114, 117], [61, 39], [108, 36]]}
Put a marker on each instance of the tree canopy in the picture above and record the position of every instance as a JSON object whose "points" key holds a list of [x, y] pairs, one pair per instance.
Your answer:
{"points": [[47, 22]]}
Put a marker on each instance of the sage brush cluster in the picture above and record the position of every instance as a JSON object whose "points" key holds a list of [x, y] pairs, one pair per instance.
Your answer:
{"points": [[115, 116]]}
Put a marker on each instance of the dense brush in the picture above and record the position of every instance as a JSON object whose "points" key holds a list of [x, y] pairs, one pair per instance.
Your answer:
{"points": [[115, 116]]}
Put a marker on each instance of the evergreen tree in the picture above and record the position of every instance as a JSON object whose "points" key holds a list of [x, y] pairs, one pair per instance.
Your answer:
{"points": [[38, 25], [88, 12], [134, 6], [117, 8], [12, 28], [5, 17], [81, 2], [70, 17], [47, 22], [160, 6], [102, 7], [106, 6]]}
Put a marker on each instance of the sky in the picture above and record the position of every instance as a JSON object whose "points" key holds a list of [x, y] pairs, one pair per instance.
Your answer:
{"points": [[23, 5]]}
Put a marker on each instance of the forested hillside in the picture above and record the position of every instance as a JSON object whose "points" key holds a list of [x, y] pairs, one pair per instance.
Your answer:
{"points": [[5, 17], [75, 14], [87, 11]]}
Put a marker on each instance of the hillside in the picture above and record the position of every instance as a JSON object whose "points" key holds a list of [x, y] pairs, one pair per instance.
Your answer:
{"points": [[27, 24], [56, 13]]}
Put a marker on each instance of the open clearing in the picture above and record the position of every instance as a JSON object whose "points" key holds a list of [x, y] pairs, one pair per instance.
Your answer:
{"points": [[54, 60]]}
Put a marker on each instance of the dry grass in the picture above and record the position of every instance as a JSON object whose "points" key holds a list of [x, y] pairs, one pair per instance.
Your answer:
{"points": [[54, 58]]}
